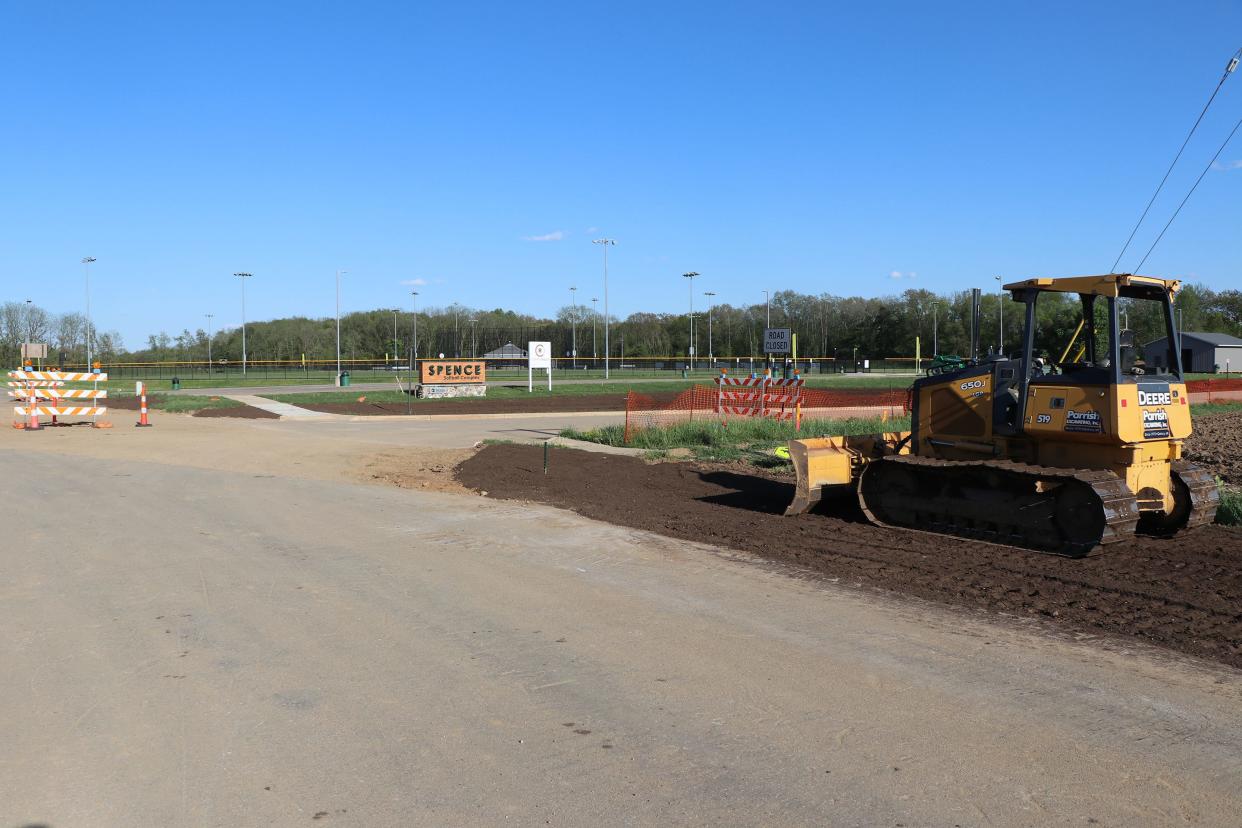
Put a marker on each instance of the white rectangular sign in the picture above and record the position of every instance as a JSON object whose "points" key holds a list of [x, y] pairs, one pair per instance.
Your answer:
{"points": [[540, 354], [777, 340]]}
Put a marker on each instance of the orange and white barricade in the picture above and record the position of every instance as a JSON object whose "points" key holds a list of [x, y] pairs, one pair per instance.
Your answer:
{"points": [[778, 399], [42, 394]]}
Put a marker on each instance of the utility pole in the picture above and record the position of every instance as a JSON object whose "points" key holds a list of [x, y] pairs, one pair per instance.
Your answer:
{"points": [[606, 243], [339, 273], [711, 359], [573, 325], [767, 307], [209, 316], [935, 331], [594, 316], [474, 339], [86, 266], [243, 277], [691, 276]]}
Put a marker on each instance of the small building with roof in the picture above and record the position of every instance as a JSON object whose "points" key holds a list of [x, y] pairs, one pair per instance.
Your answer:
{"points": [[1202, 353]]}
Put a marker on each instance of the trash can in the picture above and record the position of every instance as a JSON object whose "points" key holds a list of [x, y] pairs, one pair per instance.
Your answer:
{"points": [[176, 384], [344, 379]]}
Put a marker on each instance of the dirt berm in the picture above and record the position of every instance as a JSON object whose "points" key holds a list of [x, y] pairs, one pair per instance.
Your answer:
{"points": [[1184, 593]]}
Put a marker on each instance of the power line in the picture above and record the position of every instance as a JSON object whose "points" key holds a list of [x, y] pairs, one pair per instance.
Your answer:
{"points": [[1232, 65], [1189, 194]]}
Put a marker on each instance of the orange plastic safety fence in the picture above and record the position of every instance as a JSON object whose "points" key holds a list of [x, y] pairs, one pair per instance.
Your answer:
{"points": [[643, 411]]}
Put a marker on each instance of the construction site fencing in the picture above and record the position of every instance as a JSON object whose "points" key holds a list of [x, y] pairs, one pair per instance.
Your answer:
{"points": [[704, 403]]}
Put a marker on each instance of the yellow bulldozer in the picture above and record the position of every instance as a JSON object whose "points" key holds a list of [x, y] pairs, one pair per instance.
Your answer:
{"points": [[1063, 455]]}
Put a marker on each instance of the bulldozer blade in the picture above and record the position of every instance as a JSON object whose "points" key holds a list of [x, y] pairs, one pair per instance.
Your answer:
{"points": [[819, 462], [832, 464]]}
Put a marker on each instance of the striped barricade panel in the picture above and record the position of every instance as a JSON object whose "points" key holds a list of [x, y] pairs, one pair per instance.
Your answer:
{"points": [[60, 410], [59, 376], [60, 393]]}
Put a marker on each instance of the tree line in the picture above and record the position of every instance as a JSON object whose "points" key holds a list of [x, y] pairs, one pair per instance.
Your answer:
{"points": [[828, 326]]}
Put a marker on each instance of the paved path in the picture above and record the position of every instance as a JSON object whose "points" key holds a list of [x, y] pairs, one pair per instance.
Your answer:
{"points": [[284, 410], [245, 649]]}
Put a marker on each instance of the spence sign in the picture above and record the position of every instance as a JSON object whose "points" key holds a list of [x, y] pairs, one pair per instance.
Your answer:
{"points": [[452, 373]]}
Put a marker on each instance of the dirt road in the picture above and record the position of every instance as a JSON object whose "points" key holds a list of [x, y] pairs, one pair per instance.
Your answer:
{"points": [[192, 644]]}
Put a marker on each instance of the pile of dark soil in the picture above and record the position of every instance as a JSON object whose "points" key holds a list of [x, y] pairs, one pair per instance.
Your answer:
{"points": [[1217, 444], [1184, 593]]}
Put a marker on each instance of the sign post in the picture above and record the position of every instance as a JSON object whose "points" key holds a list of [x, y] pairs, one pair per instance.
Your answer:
{"points": [[538, 355]]}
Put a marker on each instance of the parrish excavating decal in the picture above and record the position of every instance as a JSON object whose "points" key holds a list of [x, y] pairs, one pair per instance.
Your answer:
{"points": [[1089, 422], [1155, 424]]}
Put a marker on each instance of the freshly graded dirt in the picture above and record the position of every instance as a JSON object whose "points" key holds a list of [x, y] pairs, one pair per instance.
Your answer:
{"points": [[1217, 444], [1184, 593]]}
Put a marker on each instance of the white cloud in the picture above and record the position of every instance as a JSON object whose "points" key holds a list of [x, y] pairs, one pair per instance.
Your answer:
{"points": [[1227, 165], [555, 235], [897, 274], [414, 282], [591, 230]]}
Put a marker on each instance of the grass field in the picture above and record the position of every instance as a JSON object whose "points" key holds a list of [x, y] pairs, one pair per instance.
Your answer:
{"points": [[1230, 511], [185, 404]]}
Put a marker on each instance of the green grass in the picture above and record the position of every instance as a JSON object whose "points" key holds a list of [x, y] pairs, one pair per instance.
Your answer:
{"points": [[1209, 409], [564, 389], [184, 404], [750, 440], [1230, 511]]}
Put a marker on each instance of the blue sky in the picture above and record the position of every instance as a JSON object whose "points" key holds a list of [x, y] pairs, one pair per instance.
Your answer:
{"points": [[813, 146]]}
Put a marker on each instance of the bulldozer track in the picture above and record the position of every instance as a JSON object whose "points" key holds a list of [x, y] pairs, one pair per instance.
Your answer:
{"points": [[1020, 510], [1204, 493]]}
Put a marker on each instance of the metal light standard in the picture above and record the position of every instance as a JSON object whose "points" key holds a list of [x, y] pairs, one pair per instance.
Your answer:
{"points": [[396, 344], [594, 316], [86, 266], [573, 325], [935, 330], [209, 316], [606, 244], [244, 277], [339, 273], [767, 309], [711, 358], [474, 339], [1000, 304], [414, 346], [691, 276]]}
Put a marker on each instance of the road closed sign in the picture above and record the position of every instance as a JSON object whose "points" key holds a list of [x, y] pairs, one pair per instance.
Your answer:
{"points": [[777, 340], [540, 354]]}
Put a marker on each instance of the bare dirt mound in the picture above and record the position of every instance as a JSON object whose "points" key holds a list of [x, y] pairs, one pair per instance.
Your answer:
{"points": [[1184, 594], [1217, 444]]}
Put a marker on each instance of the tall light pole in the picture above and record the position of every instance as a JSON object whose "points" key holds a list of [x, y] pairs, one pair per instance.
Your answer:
{"points": [[935, 330], [573, 325], [767, 309], [474, 339], [711, 359], [1000, 304], [396, 344], [690, 351], [244, 277], [339, 274], [209, 316], [86, 266], [414, 346], [606, 244], [594, 316]]}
